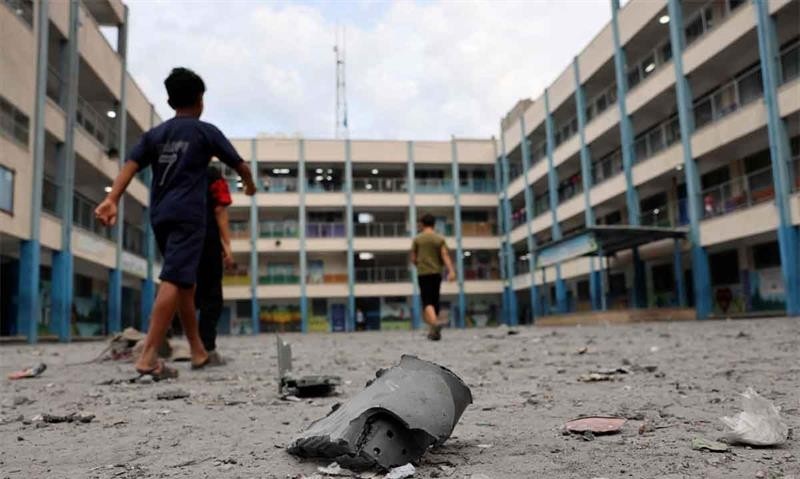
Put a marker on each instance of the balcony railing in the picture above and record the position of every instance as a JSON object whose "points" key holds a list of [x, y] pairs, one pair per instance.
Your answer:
{"points": [[325, 230], [133, 239], [279, 278], [277, 184], [481, 272], [50, 200], [327, 187], [83, 216], [54, 84], [518, 218], [728, 98], [479, 228], [608, 167], [656, 139], [236, 280], [433, 185], [278, 229], [380, 185], [385, 274], [97, 125], [326, 278], [738, 193], [381, 230], [239, 229], [659, 216], [477, 186]]}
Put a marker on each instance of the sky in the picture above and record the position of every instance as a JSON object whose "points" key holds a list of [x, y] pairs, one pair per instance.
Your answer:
{"points": [[423, 70]]}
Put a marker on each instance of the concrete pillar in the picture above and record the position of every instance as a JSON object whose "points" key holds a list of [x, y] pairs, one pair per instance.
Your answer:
{"points": [[255, 309], [301, 187], [531, 239], [416, 303], [462, 301], [552, 184]]}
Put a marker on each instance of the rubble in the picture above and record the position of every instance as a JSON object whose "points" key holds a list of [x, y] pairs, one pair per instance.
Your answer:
{"points": [[290, 385], [391, 422], [595, 425]]}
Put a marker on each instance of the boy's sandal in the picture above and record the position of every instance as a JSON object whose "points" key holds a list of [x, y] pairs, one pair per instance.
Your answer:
{"points": [[162, 371], [203, 364]]}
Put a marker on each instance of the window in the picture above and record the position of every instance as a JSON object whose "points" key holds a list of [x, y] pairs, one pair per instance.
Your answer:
{"points": [[663, 278], [666, 52], [14, 122], [648, 65], [6, 190], [790, 63], [633, 77], [750, 87], [766, 255], [694, 29]]}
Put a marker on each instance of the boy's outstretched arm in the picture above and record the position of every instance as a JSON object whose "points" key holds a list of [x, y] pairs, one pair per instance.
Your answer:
{"points": [[221, 215], [106, 211], [247, 177]]}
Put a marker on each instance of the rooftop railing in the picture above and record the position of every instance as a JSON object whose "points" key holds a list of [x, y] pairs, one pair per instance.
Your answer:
{"points": [[380, 185], [383, 274], [381, 230], [325, 230]]}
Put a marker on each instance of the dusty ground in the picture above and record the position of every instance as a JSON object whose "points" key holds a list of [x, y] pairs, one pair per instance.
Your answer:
{"points": [[525, 387]]}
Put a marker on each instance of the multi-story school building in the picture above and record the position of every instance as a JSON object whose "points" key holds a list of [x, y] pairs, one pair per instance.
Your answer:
{"points": [[659, 171]]}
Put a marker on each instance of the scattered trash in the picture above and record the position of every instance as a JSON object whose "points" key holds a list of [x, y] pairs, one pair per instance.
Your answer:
{"points": [[484, 446], [582, 350], [759, 424], [401, 472], [81, 417], [391, 422], [605, 374], [596, 425], [291, 398], [172, 394], [700, 444], [28, 372], [303, 386], [654, 349], [334, 469]]}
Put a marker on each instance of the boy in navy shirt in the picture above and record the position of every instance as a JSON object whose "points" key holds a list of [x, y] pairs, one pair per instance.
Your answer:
{"points": [[179, 151]]}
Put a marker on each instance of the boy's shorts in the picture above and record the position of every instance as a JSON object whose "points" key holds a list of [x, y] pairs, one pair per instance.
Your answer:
{"points": [[181, 245], [429, 288]]}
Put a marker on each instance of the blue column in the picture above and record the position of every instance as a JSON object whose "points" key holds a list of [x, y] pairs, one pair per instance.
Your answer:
{"points": [[462, 300], [531, 239], [255, 308], [552, 185], [148, 284], [788, 235], [350, 323], [680, 287], [701, 275], [62, 259], [586, 177], [29, 309], [416, 303], [628, 154], [301, 211], [115, 275], [508, 250], [501, 231]]}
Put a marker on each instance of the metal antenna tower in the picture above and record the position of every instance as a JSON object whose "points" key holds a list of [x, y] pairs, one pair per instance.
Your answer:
{"points": [[341, 128]]}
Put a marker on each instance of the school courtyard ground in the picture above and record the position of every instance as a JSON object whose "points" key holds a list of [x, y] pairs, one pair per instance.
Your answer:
{"points": [[681, 378]]}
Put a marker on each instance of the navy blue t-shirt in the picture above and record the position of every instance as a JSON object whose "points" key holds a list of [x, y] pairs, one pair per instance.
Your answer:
{"points": [[179, 151]]}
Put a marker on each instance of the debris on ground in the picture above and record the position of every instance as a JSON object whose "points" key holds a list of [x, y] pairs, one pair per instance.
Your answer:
{"points": [[596, 425], [401, 472], [700, 444], [16, 401], [172, 394], [391, 422], [582, 350], [759, 423], [302, 386], [604, 374], [26, 373], [81, 417], [334, 469]]}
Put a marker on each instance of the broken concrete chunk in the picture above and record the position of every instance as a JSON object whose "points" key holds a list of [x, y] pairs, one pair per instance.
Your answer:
{"points": [[303, 386], [393, 421], [401, 472], [596, 425], [172, 394], [700, 444]]}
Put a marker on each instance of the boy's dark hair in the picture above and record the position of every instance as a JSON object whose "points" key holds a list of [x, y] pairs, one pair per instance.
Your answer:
{"points": [[184, 87], [428, 220], [214, 173]]}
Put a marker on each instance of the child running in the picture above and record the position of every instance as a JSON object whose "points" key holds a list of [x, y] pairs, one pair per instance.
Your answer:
{"points": [[179, 151], [429, 253]]}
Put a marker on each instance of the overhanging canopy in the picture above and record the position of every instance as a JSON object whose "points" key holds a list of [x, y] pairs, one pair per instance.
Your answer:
{"points": [[602, 240]]}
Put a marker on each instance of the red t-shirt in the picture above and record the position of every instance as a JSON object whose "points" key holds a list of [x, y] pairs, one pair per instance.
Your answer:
{"points": [[219, 193]]}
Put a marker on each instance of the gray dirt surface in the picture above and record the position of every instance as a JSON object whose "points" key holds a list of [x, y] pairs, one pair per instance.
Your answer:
{"points": [[682, 377]]}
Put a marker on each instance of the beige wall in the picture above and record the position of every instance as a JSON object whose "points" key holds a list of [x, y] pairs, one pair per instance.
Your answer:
{"points": [[635, 15], [742, 21], [475, 152], [363, 151]]}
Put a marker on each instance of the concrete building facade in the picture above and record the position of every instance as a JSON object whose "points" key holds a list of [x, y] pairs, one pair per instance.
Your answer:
{"points": [[65, 96], [678, 114]]}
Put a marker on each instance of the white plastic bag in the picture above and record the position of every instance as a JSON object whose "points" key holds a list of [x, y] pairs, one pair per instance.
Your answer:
{"points": [[759, 424]]}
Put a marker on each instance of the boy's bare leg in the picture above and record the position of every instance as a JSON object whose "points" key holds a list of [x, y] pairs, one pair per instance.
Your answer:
{"points": [[186, 311], [160, 319], [429, 315]]}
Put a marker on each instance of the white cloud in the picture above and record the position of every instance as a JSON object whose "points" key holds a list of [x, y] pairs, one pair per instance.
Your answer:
{"points": [[414, 69]]}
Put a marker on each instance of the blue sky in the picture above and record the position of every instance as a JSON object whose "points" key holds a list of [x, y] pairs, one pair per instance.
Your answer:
{"points": [[415, 69]]}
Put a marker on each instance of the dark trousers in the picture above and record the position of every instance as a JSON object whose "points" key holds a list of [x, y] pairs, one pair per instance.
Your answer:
{"points": [[208, 296]]}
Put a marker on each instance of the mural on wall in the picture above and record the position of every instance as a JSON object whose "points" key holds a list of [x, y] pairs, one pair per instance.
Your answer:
{"points": [[767, 292], [395, 313], [729, 299]]}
